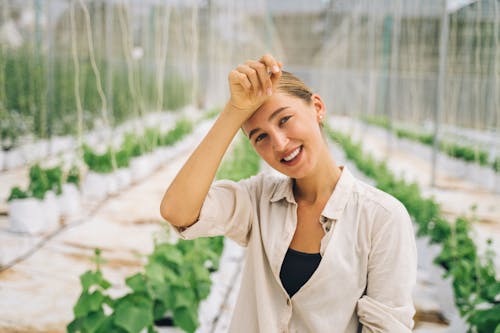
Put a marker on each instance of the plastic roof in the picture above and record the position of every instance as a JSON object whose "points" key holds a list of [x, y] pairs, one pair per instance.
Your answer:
{"points": [[405, 8]]}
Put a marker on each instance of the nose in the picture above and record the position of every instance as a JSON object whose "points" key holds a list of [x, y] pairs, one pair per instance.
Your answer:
{"points": [[279, 140]]}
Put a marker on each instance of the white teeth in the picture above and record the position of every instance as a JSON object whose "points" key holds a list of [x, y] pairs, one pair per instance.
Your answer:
{"points": [[292, 155]]}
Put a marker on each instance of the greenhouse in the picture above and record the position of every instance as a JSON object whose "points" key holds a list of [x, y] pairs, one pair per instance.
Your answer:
{"points": [[104, 104]]}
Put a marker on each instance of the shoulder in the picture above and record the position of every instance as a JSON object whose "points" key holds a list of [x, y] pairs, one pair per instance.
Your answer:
{"points": [[382, 206], [262, 184]]}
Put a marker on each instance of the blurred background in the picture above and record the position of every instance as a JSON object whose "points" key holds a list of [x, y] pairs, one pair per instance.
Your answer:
{"points": [[111, 96]]}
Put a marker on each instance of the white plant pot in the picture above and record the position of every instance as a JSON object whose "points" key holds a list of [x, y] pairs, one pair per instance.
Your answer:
{"points": [[140, 167], [51, 210], [13, 159], [112, 182], [69, 201], [123, 178], [167, 153], [36, 151], [27, 216], [2, 158], [95, 186], [60, 144], [157, 158]]}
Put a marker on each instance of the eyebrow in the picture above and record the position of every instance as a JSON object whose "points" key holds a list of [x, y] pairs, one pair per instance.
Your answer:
{"points": [[274, 114]]}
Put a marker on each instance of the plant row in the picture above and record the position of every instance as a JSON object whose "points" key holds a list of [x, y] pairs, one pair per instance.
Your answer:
{"points": [[476, 288], [463, 152], [175, 279], [134, 146], [43, 180], [53, 193], [30, 107]]}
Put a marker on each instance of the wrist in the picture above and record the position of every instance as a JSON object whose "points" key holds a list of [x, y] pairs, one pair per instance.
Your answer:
{"points": [[235, 114]]}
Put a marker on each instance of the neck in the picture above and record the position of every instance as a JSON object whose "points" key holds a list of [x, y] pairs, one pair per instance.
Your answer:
{"points": [[318, 186]]}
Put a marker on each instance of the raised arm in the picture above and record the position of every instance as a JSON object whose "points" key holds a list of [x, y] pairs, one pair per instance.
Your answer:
{"points": [[250, 85]]}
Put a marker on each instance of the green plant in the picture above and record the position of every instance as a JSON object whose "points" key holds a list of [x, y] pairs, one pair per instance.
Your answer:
{"points": [[175, 278], [17, 193], [459, 151], [43, 180], [212, 113], [73, 176], [182, 128], [100, 163], [476, 289]]}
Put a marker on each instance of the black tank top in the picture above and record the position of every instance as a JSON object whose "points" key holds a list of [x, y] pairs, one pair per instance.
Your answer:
{"points": [[297, 268]]}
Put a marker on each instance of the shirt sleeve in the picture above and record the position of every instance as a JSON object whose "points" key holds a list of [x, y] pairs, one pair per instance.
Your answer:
{"points": [[387, 305], [227, 210]]}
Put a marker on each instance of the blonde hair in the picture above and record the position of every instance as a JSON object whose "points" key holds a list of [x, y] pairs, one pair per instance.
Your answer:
{"points": [[292, 85]]}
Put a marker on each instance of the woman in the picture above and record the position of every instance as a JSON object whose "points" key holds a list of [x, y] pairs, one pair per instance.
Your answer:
{"points": [[325, 251]]}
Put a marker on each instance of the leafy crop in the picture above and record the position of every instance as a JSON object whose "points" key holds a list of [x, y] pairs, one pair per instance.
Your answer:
{"points": [[133, 146], [175, 278], [41, 181], [476, 288], [455, 150]]}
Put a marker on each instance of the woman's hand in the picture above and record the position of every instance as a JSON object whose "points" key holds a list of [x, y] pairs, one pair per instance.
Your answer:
{"points": [[252, 83]]}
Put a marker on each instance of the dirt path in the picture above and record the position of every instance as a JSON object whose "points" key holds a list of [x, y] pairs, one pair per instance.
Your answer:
{"points": [[46, 285], [456, 196]]}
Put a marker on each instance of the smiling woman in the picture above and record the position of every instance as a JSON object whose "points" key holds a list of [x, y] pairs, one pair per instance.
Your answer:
{"points": [[326, 252]]}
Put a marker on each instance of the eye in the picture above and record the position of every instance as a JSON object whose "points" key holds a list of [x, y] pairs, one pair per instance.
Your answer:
{"points": [[284, 119], [260, 137]]}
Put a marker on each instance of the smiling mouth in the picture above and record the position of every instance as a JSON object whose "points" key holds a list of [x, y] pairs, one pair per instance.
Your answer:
{"points": [[292, 155]]}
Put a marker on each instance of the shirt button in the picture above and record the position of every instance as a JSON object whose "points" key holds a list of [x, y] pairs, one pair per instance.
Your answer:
{"points": [[288, 301], [323, 219]]}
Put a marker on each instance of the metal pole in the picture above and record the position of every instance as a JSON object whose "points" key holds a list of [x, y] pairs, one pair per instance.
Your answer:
{"points": [[440, 97], [394, 74], [50, 73], [109, 56]]}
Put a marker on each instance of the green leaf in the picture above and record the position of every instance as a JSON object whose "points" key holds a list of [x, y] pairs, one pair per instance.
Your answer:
{"points": [[17, 193], [183, 297], [169, 253], [133, 317], [93, 321], [186, 319], [137, 283], [91, 278], [75, 325], [88, 303]]}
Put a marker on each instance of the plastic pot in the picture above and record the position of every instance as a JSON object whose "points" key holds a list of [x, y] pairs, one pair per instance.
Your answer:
{"points": [[95, 186], [69, 201], [51, 210], [27, 216]]}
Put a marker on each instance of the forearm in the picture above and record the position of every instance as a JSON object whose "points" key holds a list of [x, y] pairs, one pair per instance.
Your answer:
{"points": [[184, 197]]}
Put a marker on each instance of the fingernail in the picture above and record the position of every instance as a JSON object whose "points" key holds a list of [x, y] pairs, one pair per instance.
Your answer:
{"points": [[269, 91], [276, 69]]}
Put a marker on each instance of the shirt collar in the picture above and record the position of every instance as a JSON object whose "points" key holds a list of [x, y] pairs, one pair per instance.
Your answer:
{"points": [[341, 194], [334, 206], [284, 190]]}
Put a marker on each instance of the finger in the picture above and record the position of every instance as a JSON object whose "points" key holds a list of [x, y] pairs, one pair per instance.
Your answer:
{"points": [[270, 63], [252, 76], [261, 70], [276, 76], [240, 78]]}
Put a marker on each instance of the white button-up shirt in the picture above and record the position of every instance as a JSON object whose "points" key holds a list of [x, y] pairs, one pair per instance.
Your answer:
{"points": [[366, 275]]}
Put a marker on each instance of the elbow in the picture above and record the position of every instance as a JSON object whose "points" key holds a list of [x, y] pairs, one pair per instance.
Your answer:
{"points": [[173, 215], [164, 212], [168, 214]]}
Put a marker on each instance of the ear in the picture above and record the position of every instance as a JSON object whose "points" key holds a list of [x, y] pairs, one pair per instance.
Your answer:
{"points": [[319, 107]]}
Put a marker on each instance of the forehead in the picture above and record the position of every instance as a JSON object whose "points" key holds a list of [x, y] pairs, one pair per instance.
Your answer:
{"points": [[276, 101]]}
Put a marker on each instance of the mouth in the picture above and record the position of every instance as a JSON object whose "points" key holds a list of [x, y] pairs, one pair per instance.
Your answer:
{"points": [[293, 157]]}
